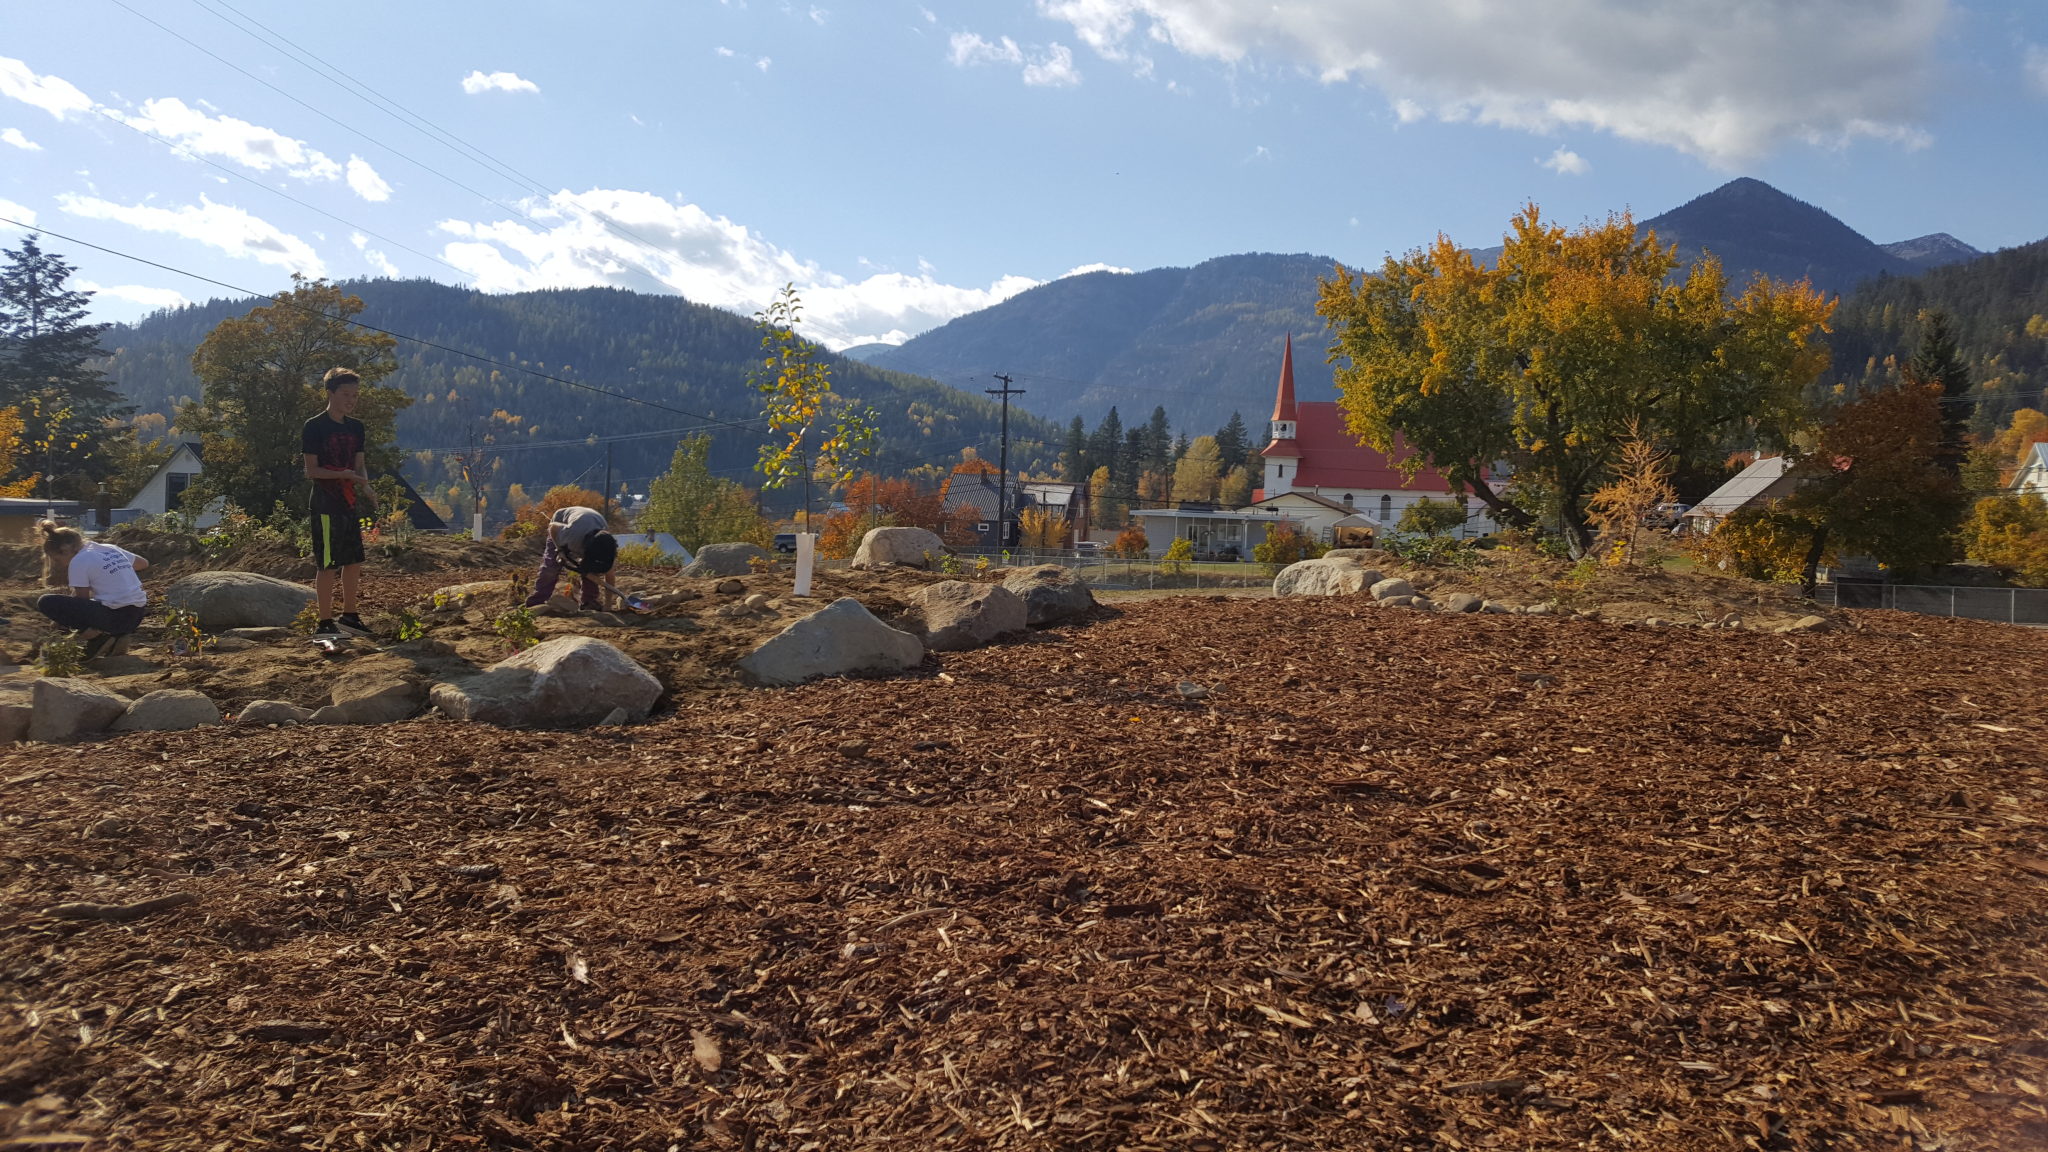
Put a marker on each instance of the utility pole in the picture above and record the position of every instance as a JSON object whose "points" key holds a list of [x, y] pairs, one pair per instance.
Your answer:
{"points": [[1003, 466], [607, 481]]}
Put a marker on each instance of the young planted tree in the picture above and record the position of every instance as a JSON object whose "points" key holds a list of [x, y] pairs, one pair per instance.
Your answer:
{"points": [[1199, 471], [1041, 527], [796, 388], [1642, 481], [1544, 359], [260, 379], [1432, 518]]}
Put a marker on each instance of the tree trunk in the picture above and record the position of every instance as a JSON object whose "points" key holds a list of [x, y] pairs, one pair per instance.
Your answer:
{"points": [[1504, 514], [1809, 575]]}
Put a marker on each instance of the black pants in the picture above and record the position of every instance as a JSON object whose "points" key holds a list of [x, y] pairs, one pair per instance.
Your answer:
{"points": [[77, 612]]}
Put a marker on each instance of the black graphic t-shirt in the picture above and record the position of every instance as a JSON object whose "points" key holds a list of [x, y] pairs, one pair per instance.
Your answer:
{"points": [[334, 444]]}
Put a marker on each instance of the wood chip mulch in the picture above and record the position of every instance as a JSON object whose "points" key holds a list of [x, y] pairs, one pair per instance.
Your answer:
{"points": [[1205, 874]]}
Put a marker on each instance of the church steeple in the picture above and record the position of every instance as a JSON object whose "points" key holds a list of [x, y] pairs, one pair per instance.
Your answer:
{"points": [[1282, 453]]}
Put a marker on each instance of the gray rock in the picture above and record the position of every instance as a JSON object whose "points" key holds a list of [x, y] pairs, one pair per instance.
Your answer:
{"points": [[1499, 608], [370, 696], [1325, 577], [620, 718], [758, 602], [257, 635], [273, 712], [909, 547], [1537, 610], [841, 638], [958, 615], [730, 587], [1396, 601], [725, 560], [1463, 602], [1807, 624], [1355, 555], [169, 710], [1051, 593], [1422, 603], [224, 600], [16, 707], [566, 682], [1389, 588], [65, 708], [231, 644]]}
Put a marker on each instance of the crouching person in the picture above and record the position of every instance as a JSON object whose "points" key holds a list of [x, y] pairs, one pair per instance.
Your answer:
{"points": [[577, 540], [106, 598]]}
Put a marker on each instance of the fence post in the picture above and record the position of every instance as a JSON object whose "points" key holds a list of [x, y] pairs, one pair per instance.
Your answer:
{"points": [[2012, 606], [1951, 600]]}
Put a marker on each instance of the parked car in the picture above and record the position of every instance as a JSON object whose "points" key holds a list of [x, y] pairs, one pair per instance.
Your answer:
{"points": [[1089, 547], [785, 541]]}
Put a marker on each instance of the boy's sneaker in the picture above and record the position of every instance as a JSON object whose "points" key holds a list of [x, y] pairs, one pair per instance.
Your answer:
{"points": [[100, 645], [352, 624], [326, 628]]}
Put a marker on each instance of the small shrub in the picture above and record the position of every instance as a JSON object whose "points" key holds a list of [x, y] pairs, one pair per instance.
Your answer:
{"points": [[1131, 544], [182, 634], [410, 626], [950, 564], [1178, 555], [981, 566], [647, 556], [760, 563], [518, 628], [62, 657], [307, 619]]}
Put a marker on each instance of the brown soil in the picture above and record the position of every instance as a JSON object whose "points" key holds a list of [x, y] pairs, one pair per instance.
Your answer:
{"points": [[1374, 879]]}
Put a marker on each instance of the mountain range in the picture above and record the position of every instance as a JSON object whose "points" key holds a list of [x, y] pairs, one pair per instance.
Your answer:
{"points": [[1205, 341]]}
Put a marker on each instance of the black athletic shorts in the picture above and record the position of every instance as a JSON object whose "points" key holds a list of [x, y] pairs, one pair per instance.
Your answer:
{"points": [[337, 539]]}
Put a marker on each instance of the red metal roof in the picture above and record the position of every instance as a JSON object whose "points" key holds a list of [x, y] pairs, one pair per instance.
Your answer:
{"points": [[1285, 449], [1331, 458]]}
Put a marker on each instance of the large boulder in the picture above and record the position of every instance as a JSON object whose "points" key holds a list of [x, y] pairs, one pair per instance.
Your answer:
{"points": [[725, 560], [1384, 590], [16, 707], [1463, 602], [169, 710], [224, 600], [566, 682], [371, 694], [959, 615], [1051, 593], [273, 712], [840, 638], [1324, 577], [66, 709], [909, 547]]}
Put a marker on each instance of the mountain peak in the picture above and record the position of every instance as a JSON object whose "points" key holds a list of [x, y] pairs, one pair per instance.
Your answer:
{"points": [[1752, 226], [1932, 250]]}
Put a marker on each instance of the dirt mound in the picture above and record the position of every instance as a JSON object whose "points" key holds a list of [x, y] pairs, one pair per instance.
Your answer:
{"points": [[1209, 874]]}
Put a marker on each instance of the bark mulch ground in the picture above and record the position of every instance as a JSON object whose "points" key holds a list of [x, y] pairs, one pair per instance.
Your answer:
{"points": [[1205, 874]]}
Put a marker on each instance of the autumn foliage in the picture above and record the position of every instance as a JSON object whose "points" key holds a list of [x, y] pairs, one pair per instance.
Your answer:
{"points": [[533, 519]]}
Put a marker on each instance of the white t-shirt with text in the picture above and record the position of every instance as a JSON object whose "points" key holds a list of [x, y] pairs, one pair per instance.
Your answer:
{"points": [[110, 573]]}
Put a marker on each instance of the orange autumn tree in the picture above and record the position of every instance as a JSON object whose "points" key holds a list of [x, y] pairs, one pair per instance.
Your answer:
{"points": [[11, 426], [871, 502], [533, 519]]}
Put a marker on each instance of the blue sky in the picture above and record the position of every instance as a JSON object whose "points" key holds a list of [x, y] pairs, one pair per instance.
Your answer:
{"points": [[904, 163]]}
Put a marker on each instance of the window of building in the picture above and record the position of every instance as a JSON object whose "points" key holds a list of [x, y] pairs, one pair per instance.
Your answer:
{"points": [[1347, 499], [1386, 508], [174, 487]]}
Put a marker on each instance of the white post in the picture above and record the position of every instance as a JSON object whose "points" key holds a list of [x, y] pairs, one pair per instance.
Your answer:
{"points": [[476, 526], [806, 560]]}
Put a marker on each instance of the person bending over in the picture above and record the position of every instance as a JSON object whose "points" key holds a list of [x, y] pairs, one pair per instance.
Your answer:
{"points": [[577, 540], [106, 598], [333, 443]]}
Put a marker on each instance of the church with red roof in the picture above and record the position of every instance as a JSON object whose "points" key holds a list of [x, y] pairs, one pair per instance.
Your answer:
{"points": [[1313, 455]]}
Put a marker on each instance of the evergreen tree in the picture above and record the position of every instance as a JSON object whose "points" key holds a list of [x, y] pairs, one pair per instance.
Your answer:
{"points": [[1231, 442], [1074, 461], [1937, 362], [46, 350], [1134, 458], [1158, 443], [1106, 441]]}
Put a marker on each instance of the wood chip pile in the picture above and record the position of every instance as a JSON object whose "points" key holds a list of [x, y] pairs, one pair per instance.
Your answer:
{"points": [[1209, 874]]}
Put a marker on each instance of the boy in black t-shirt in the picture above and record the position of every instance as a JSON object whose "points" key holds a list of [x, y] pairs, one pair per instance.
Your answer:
{"points": [[334, 443]]}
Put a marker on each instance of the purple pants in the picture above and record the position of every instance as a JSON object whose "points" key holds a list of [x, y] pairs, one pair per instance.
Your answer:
{"points": [[551, 572]]}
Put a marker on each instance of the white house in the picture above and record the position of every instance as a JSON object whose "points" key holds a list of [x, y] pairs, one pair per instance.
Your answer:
{"points": [[1764, 482], [1313, 453], [166, 488], [2032, 477]]}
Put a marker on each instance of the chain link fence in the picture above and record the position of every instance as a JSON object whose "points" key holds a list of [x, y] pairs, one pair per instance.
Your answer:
{"points": [[2005, 605]]}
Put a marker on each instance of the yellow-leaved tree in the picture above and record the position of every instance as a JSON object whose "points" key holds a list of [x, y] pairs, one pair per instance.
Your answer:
{"points": [[10, 448]]}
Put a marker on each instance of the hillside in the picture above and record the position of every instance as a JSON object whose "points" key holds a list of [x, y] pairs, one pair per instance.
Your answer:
{"points": [[660, 348], [1998, 308], [1203, 341]]}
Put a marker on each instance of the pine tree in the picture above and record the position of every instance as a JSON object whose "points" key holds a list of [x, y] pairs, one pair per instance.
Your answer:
{"points": [[1158, 443], [1937, 362], [46, 354], [1232, 440], [1106, 441], [1074, 461]]}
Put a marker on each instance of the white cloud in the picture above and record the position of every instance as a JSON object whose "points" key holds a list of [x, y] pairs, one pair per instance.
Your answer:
{"points": [[477, 82], [220, 226], [930, 17], [763, 63], [2036, 67], [709, 259], [967, 49], [722, 50], [365, 181], [13, 136], [819, 15], [50, 93], [250, 145], [21, 212], [1724, 82], [1565, 162], [151, 298], [1054, 70], [373, 257]]}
